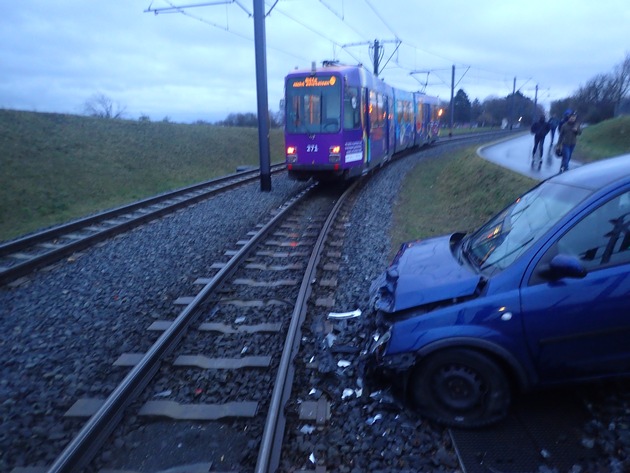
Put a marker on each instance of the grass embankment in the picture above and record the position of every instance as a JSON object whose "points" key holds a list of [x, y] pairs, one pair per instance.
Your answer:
{"points": [[606, 139], [456, 192], [460, 191], [56, 168]]}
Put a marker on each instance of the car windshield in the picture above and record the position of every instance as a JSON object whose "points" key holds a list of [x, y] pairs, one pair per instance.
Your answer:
{"points": [[499, 242]]}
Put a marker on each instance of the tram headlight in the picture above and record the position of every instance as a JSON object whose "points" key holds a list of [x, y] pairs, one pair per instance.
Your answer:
{"points": [[292, 155], [334, 154]]}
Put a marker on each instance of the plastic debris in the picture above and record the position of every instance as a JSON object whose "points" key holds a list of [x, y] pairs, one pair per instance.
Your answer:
{"points": [[545, 453], [372, 420], [347, 393], [244, 350], [307, 429], [166, 393], [330, 339], [311, 457], [350, 392], [239, 320], [345, 315], [343, 363]]}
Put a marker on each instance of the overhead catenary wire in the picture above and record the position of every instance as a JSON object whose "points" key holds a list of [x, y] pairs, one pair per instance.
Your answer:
{"points": [[341, 15]]}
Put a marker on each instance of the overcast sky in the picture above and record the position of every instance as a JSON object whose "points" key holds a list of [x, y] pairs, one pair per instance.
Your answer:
{"points": [[200, 65]]}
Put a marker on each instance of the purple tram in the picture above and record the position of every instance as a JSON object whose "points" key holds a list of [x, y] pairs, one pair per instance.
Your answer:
{"points": [[342, 121]]}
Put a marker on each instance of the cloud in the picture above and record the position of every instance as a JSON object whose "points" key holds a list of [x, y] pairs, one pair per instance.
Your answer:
{"points": [[202, 66]]}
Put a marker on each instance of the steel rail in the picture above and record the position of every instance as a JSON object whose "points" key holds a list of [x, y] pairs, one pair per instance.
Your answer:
{"points": [[273, 432], [20, 269], [82, 449]]}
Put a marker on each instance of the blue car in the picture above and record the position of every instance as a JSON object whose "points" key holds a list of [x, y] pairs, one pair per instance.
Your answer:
{"points": [[538, 296]]}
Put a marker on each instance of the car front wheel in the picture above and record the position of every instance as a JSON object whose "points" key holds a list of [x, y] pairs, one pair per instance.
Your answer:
{"points": [[460, 387]]}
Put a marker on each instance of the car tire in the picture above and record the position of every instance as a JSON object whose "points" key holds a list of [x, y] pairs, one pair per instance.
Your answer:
{"points": [[461, 388]]}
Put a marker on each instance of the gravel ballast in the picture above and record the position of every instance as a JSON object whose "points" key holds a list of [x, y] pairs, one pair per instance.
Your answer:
{"points": [[112, 292], [68, 323]]}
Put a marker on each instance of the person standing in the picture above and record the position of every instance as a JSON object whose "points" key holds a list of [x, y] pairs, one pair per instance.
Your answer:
{"points": [[567, 139], [540, 130]]}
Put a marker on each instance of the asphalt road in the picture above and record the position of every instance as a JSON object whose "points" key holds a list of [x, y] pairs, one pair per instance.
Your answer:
{"points": [[516, 154]]}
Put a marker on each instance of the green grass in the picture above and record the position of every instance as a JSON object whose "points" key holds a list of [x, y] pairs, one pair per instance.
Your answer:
{"points": [[59, 167], [56, 168], [463, 130], [459, 191], [606, 139], [455, 192]]}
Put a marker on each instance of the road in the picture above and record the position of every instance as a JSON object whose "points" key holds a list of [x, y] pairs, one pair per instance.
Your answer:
{"points": [[516, 154]]}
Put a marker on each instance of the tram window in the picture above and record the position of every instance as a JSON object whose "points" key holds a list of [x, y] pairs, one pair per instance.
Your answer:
{"points": [[351, 109], [373, 110], [381, 110], [313, 108], [419, 116]]}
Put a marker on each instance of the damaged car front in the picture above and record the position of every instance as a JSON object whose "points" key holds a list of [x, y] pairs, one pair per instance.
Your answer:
{"points": [[447, 311]]}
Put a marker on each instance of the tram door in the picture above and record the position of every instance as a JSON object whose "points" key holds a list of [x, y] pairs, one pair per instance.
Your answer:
{"points": [[367, 125], [388, 128]]}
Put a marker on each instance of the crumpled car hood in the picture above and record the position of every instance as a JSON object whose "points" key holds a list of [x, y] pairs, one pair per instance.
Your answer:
{"points": [[423, 272]]}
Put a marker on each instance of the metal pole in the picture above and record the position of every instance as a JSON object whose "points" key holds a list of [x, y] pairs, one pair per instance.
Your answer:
{"points": [[512, 104], [261, 92], [452, 113]]}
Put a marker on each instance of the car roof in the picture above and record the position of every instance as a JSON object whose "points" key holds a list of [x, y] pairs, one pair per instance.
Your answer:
{"points": [[597, 175]]}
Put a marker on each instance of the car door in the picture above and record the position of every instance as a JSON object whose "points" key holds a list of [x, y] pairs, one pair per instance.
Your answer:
{"points": [[580, 327]]}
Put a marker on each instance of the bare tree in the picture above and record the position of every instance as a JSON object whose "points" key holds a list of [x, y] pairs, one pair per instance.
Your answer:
{"points": [[100, 105], [621, 76]]}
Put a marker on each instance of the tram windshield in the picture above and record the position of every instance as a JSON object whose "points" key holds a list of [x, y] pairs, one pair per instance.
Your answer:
{"points": [[313, 104]]}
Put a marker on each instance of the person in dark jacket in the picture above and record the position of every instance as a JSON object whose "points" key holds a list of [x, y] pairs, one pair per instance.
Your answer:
{"points": [[565, 118], [540, 130], [568, 139]]}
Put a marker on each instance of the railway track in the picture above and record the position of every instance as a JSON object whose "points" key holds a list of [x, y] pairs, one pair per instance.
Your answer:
{"points": [[235, 340], [229, 328], [26, 254]]}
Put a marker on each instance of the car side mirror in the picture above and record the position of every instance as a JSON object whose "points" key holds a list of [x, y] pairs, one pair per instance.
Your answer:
{"points": [[566, 266]]}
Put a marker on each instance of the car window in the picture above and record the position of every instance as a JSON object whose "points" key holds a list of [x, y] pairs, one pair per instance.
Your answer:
{"points": [[602, 238]]}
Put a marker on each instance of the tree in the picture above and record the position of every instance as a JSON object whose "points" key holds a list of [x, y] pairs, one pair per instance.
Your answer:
{"points": [[622, 81], [476, 113], [462, 107], [497, 109], [250, 120], [601, 97], [597, 99], [100, 105]]}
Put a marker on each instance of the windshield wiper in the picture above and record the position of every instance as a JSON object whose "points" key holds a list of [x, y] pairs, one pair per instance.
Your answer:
{"points": [[525, 243], [466, 254]]}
